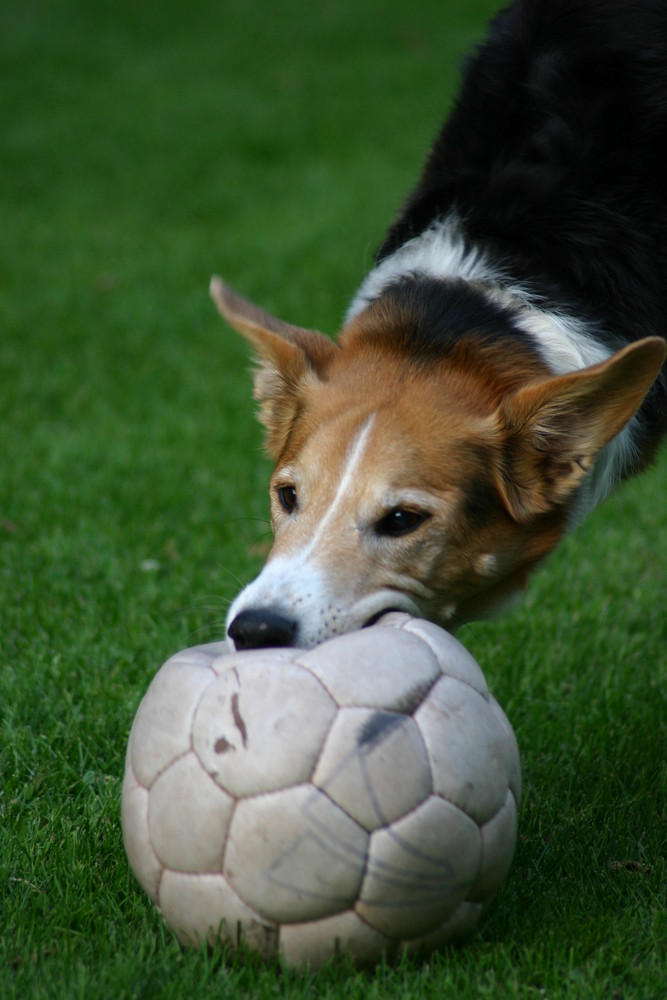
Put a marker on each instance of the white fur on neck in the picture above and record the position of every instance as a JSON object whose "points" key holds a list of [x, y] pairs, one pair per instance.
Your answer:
{"points": [[439, 252], [565, 341]]}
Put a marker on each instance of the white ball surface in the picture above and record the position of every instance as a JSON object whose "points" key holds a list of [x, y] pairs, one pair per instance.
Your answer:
{"points": [[359, 797]]}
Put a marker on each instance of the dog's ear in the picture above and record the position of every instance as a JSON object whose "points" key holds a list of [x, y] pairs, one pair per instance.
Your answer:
{"points": [[289, 357], [553, 428]]}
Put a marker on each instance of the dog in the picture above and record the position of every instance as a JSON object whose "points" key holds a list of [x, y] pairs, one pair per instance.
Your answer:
{"points": [[501, 368]]}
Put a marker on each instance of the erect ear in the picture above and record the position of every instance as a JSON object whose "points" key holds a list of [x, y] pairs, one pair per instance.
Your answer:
{"points": [[553, 428], [289, 358]]}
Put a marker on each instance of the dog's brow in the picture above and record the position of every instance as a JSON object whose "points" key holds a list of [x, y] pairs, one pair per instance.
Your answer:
{"points": [[287, 472], [355, 455], [405, 497]]}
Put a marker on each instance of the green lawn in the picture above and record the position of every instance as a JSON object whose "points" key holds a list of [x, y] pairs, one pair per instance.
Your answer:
{"points": [[144, 146]]}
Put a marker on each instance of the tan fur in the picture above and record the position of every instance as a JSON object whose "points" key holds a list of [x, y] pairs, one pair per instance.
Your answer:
{"points": [[492, 449], [555, 427]]}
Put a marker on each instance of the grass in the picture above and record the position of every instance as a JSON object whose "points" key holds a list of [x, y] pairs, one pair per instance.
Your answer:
{"points": [[145, 146]]}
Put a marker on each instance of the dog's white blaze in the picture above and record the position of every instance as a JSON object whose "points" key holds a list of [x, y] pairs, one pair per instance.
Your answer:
{"points": [[293, 582], [355, 456]]}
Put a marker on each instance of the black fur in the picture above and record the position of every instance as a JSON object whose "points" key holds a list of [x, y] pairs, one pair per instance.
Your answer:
{"points": [[435, 315], [555, 158]]}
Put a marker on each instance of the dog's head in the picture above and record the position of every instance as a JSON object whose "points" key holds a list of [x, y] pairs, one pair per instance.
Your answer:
{"points": [[414, 479]]}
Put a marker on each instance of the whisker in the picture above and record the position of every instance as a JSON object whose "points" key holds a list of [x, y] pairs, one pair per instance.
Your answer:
{"points": [[247, 519], [211, 631]]}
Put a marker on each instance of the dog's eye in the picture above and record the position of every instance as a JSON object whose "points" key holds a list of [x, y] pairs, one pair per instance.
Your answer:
{"points": [[287, 497], [400, 521]]}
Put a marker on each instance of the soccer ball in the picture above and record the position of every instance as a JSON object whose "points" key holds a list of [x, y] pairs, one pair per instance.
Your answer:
{"points": [[360, 797]]}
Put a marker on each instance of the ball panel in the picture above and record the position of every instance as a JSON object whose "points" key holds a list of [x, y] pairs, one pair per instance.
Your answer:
{"points": [[210, 652], [515, 780], [364, 753], [498, 844], [204, 655], [293, 855], [162, 725], [134, 824], [455, 929], [188, 817], [204, 908], [403, 669], [260, 726], [314, 943], [468, 750], [419, 869], [231, 659], [454, 659]]}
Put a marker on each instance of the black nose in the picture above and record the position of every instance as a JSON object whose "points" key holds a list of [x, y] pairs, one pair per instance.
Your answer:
{"points": [[259, 628]]}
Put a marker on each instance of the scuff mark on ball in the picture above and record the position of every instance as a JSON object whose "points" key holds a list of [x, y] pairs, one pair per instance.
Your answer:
{"points": [[238, 719], [376, 729]]}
